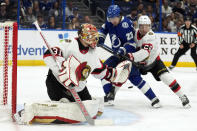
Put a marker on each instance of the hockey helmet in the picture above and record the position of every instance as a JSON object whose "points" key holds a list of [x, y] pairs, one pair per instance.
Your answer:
{"points": [[144, 19], [89, 34], [187, 18], [113, 11]]}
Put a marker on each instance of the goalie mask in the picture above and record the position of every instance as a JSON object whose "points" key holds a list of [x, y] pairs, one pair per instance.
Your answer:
{"points": [[89, 34]]}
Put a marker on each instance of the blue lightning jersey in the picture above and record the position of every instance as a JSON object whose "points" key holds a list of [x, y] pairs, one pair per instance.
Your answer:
{"points": [[121, 36], [122, 39]]}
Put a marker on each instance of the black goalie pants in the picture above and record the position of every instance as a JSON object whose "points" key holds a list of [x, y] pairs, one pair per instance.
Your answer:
{"points": [[56, 90]]}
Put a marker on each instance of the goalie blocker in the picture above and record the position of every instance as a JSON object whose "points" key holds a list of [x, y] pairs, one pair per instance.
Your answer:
{"points": [[78, 59]]}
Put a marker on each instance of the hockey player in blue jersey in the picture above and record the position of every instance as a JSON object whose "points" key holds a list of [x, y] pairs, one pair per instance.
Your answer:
{"points": [[121, 32]]}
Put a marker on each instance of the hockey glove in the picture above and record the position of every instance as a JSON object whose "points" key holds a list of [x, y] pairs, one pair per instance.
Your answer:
{"points": [[130, 55], [121, 73], [71, 71]]}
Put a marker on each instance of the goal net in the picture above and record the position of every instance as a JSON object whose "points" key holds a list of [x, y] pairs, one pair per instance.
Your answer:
{"points": [[8, 67]]}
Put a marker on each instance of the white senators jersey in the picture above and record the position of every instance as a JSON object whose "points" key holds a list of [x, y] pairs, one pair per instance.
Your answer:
{"points": [[83, 54], [148, 46]]}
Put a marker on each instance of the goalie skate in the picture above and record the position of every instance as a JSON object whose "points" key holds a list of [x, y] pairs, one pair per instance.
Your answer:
{"points": [[185, 101], [109, 98], [156, 103]]}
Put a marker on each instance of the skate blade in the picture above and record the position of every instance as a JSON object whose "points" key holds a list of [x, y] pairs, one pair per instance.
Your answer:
{"points": [[109, 103], [187, 106]]}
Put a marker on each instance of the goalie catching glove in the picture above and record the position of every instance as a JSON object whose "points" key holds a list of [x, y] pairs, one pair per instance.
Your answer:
{"points": [[73, 71], [121, 73]]}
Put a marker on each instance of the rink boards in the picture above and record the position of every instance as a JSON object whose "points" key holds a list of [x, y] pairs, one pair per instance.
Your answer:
{"points": [[31, 47]]}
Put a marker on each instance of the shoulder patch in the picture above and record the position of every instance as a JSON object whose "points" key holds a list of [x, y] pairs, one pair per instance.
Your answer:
{"points": [[150, 33], [125, 25], [68, 40]]}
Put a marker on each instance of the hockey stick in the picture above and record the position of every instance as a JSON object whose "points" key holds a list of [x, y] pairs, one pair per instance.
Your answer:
{"points": [[108, 49], [72, 89]]}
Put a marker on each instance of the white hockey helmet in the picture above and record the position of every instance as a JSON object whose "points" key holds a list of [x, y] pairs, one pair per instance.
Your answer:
{"points": [[144, 19]]}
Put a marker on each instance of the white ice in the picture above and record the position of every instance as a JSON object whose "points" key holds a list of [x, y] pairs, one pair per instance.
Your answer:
{"points": [[171, 117]]}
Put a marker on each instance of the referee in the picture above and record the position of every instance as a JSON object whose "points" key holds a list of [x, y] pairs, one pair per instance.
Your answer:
{"points": [[188, 40]]}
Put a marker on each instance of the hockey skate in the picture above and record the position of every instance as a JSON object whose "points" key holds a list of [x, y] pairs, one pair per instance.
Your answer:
{"points": [[109, 98], [18, 117], [185, 101], [156, 103], [171, 67]]}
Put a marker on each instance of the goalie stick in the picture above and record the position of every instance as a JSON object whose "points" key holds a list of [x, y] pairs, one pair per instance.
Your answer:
{"points": [[73, 91]]}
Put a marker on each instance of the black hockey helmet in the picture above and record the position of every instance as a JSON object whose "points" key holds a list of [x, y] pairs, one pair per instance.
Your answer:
{"points": [[187, 18]]}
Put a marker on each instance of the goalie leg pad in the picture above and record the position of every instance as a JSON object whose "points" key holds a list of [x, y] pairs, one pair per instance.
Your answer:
{"points": [[48, 112]]}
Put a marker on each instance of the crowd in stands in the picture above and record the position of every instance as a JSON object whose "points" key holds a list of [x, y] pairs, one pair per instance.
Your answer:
{"points": [[49, 13]]}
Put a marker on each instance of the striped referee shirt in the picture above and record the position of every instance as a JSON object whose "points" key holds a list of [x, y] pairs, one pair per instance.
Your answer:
{"points": [[187, 35]]}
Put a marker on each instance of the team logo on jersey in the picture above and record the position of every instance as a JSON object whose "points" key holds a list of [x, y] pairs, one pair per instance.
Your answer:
{"points": [[125, 25], [150, 33], [85, 72]]}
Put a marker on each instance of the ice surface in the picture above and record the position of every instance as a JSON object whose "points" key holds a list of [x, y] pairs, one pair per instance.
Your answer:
{"points": [[132, 110]]}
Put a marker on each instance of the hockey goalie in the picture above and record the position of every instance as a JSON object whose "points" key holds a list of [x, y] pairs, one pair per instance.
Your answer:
{"points": [[78, 58]]}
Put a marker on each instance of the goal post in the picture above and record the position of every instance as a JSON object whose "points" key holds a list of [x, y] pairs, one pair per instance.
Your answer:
{"points": [[8, 66]]}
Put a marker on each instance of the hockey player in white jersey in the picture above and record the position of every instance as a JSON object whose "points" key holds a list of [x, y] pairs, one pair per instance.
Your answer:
{"points": [[78, 58], [148, 53]]}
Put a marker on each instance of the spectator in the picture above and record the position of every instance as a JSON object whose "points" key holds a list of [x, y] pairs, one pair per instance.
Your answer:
{"points": [[140, 8], [13, 12], [178, 8], [45, 5], [36, 9], [56, 10], [75, 24], [144, 12], [194, 19], [166, 9], [165, 26], [3, 12], [88, 20], [69, 9], [178, 24], [52, 23], [150, 11], [191, 11], [9, 4], [41, 22], [171, 25], [154, 24], [30, 16], [27, 3], [75, 15], [133, 15], [22, 12]]}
